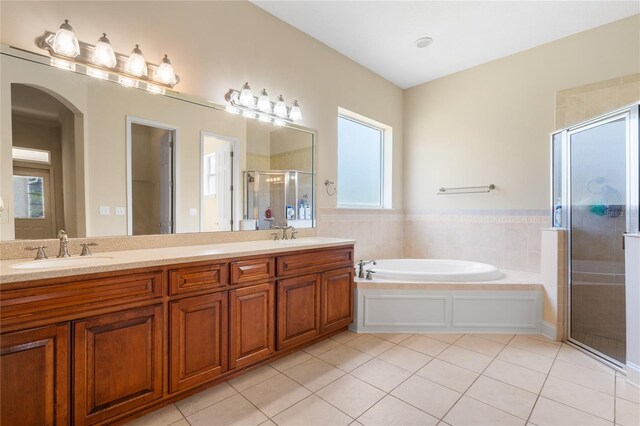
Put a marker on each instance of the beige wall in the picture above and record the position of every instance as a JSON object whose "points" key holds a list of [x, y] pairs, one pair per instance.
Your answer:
{"points": [[490, 124]]}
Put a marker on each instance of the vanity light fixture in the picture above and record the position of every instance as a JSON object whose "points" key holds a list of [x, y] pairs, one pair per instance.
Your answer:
{"points": [[103, 53], [246, 96], [136, 64], [65, 42], [101, 61], [264, 104], [280, 108], [277, 113], [165, 73]]}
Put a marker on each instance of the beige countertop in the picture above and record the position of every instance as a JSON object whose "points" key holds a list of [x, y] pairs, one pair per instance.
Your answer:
{"points": [[28, 270]]}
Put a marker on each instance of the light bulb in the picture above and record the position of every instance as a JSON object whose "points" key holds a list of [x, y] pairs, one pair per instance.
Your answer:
{"points": [[136, 64], [294, 112], [165, 73], [65, 41], [264, 104], [246, 96], [103, 53], [280, 109]]}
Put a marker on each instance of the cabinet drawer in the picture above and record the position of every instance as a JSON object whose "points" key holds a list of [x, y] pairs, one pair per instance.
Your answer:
{"points": [[198, 278], [252, 270], [63, 300], [316, 261]]}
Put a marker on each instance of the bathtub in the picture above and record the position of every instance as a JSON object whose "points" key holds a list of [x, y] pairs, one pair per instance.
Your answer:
{"points": [[429, 270], [447, 296]]}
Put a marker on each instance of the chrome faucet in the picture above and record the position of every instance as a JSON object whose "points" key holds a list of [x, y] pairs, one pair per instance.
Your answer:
{"points": [[362, 264], [284, 235], [64, 244]]}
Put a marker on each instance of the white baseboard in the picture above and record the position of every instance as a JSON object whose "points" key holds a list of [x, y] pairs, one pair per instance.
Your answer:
{"points": [[549, 330], [633, 373]]}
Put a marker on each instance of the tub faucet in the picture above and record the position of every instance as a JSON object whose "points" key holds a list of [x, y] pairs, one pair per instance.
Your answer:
{"points": [[361, 266], [64, 244]]}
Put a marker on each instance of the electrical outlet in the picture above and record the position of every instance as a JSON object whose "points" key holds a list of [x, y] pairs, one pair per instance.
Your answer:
{"points": [[105, 211], [193, 212], [119, 211]]}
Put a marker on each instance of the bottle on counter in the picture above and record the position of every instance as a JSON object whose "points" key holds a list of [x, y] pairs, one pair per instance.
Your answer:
{"points": [[267, 213]]}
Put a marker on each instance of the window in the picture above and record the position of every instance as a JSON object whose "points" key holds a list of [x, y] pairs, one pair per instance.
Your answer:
{"points": [[363, 162], [29, 197]]}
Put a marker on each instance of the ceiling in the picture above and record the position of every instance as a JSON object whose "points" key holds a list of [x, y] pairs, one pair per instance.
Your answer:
{"points": [[380, 35]]}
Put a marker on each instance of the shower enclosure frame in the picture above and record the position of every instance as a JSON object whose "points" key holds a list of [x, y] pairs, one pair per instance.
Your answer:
{"points": [[631, 114]]}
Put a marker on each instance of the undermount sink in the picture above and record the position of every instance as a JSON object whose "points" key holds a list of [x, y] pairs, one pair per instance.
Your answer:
{"points": [[64, 262], [301, 241]]}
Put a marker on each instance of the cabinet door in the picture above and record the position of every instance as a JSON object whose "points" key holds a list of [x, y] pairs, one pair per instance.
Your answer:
{"points": [[34, 376], [199, 348], [117, 363], [298, 310], [252, 324], [337, 299]]}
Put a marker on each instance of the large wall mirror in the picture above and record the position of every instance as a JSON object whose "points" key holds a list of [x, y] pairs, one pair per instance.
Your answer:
{"points": [[99, 159]]}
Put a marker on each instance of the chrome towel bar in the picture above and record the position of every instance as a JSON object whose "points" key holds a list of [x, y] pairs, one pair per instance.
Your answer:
{"points": [[466, 190]]}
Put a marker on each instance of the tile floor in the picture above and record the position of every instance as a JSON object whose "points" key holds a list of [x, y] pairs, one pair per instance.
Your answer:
{"points": [[417, 379]]}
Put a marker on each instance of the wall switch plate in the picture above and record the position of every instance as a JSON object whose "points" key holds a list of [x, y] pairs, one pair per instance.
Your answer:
{"points": [[105, 211], [119, 211], [193, 212]]}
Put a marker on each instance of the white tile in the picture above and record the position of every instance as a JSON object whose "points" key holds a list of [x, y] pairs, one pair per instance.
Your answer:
{"points": [[477, 344], [276, 394], [165, 416], [205, 398], [345, 336], [626, 390], [290, 361], [392, 411], [468, 411], [444, 337], [381, 374], [465, 358], [393, 337], [503, 396], [252, 378], [539, 363], [405, 358], [345, 357], [268, 423], [312, 411], [595, 379], [314, 374], [351, 395], [426, 395], [627, 413], [449, 375], [321, 347], [235, 410], [515, 375], [580, 397], [540, 347], [370, 345], [552, 413], [424, 344], [182, 422], [498, 338], [576, 357]]}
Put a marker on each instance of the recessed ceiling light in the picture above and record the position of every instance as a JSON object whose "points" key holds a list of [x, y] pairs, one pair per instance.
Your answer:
{"points": [[423, 42]]}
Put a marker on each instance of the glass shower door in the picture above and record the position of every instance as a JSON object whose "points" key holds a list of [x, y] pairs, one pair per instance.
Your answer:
{"points": [[598, 197]]}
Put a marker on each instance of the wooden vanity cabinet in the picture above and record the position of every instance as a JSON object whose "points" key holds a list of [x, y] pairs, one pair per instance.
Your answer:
{"points": [[104, 348], [199, 340], [34, 376], [117, 363], [251, 324]]}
